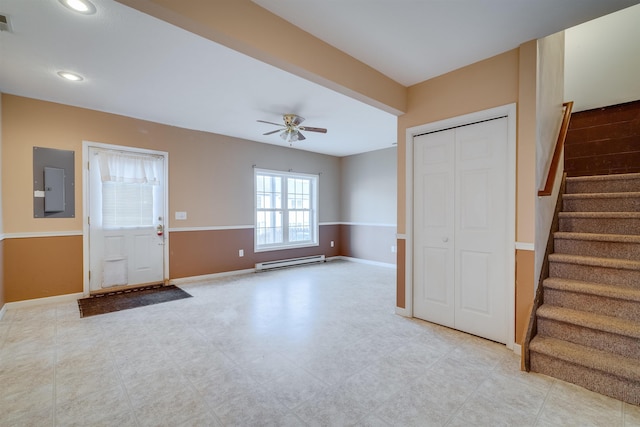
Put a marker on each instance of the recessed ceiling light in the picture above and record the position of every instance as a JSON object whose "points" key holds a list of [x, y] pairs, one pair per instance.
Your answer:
{"points": [[70, 76], [81, 6]]}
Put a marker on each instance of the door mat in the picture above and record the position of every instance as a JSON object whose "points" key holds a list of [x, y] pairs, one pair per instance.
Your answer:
{"points": [[125, 299]]}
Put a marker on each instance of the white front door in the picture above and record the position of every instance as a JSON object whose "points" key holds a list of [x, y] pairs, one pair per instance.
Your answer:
{"points": [[460, 228], [126, 218]]}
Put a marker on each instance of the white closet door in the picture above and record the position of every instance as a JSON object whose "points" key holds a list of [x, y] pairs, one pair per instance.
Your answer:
{"points": [[460, 197], [433, 215], [481, 219]]}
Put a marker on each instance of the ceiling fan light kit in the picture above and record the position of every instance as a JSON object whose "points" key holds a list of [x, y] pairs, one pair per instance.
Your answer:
{"points": [[291, 128]]}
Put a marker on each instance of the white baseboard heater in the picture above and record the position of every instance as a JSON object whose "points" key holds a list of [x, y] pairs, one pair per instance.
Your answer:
{"points": [[263, 266]]}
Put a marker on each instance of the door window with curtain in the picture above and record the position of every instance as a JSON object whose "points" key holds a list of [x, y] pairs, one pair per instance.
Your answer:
{"points": [[128, 184]]}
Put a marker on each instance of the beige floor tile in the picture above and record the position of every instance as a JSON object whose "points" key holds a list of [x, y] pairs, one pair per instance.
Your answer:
{"points": [[631, 415], [295, 387], [316, 345], [174, 407], [568, 404], [99, 406]]}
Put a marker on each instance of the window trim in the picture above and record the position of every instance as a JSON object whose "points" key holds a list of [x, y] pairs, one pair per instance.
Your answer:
{"points": [[314, 201]]}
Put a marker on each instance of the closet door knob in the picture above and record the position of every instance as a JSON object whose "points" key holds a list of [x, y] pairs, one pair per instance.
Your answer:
{"points": [[445, 239]]}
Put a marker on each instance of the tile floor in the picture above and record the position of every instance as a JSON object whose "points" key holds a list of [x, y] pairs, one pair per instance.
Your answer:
{"points": [[315, 345]]}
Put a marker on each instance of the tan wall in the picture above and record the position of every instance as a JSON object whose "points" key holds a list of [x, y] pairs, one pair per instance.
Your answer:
{"points": [[500, 80], [3, 299], [525, 161], [42, 267], [197, 253], [524, 292], [210, 176], [486, 84]]}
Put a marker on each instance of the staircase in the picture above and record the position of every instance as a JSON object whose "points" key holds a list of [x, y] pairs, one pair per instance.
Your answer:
{"points": [[588, 326]]}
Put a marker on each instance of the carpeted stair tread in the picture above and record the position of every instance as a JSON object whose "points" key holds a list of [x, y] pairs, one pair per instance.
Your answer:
{"points": [[611, 177], [597, 289], [598, 322], [600, 237], [603, 183], [599, 215], [623, 264], [617, 195], [577, 354]]}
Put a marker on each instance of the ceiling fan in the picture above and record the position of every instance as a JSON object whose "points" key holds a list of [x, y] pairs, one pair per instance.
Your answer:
{"points": [[290, 130]]}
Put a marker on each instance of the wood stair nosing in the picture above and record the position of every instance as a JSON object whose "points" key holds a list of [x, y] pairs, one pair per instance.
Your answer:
{"points": [[620, 366]]}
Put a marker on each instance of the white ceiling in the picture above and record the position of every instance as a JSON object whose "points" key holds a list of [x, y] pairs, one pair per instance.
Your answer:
{"points": [[141, 67], [412, 41]]}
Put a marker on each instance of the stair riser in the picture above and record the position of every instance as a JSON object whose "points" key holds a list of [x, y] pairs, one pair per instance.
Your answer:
{"points": [[600, 225], [600, 382], [588, 273], [595, 248], [608, 204], [600, 340], [610, 186], [622, 309]]}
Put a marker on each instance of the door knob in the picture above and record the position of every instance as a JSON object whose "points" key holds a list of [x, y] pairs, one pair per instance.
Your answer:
{"points": [[445, 239]]}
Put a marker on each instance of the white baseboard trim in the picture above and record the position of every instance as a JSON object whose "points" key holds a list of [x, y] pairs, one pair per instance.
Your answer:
{"points": [[193, 280], [366, 261], [3, 310], [41, 301], [402, 312], [517, 349]]}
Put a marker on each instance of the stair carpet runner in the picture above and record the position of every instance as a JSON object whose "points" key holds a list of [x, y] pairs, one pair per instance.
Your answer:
{"points": [[589, 324]]}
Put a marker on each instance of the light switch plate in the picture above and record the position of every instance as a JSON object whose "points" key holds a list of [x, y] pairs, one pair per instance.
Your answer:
{"points": [[181, 215]]}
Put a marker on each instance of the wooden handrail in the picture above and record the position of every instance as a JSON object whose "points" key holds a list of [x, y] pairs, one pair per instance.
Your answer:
{"points": [[562, 135]]}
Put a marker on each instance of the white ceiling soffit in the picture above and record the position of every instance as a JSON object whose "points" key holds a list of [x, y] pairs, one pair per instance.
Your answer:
{"points": [[138, 66], [411, 41]]}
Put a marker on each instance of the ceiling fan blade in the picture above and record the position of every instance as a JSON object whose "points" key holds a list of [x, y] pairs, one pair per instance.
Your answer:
{"points": [[272, 132], [310, 129], [271, 123], [301, 136]]}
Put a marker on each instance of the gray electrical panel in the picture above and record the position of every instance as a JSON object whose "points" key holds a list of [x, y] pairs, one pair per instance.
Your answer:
{"points": [[53, 183], [53, 190]]}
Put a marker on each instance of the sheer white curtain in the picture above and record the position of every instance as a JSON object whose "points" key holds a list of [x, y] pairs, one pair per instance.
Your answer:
{"points": [[130, 184], [129, 168]]}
